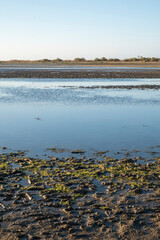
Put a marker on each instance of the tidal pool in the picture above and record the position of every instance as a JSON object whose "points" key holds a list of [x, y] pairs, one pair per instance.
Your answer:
{"points": [[36, 114]]}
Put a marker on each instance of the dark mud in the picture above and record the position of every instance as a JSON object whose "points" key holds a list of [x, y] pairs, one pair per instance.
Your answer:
{"points": [[79, 198], [128, 87], [80, 74]]}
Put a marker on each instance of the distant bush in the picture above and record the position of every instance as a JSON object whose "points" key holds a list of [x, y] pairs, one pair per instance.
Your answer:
{"points": [[58, 60], [45, 60], [126, 60], [97, 59], [79, 59], [103, 59], [133, 59], [116, 60], [141, 59], [153, 59], [144, 59], [113, 60]]}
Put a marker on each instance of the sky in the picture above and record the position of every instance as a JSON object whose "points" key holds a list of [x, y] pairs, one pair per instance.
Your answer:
{"points": [[38, 29]]}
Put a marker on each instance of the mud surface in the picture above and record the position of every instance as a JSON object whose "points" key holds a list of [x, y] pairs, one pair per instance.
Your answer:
{"points": [[128, 87], [50, 73], [78, 197]]}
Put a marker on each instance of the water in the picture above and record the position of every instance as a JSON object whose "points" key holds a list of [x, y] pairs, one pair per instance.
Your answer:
{"points": [[41, 113], [4, 68]]}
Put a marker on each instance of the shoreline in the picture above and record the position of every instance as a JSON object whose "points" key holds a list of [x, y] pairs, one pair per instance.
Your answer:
{"points": [[124, 70], [127, 87], [81, 64], [50, 73]]}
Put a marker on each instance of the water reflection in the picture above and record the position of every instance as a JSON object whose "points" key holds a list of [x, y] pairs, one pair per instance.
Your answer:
{"points": [[34, 118]]}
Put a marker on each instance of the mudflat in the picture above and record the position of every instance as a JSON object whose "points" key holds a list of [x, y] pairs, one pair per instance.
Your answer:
{"points": [[80, 71], [76, 197]]}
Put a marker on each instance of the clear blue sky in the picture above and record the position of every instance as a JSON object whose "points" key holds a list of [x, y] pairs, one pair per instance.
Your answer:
{"points": [[35, 29]]}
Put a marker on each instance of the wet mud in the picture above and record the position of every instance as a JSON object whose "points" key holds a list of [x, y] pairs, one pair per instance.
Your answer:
{"points": [[79, 197], [79, 74]]}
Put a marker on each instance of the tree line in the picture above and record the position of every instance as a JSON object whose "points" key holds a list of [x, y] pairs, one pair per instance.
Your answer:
{"points": [[104, 59], [83, 60]]}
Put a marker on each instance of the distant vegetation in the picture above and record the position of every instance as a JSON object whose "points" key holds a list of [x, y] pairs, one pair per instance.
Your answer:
{"points": [[102, 60]]}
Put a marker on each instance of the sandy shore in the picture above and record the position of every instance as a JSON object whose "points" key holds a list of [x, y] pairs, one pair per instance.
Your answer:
{"points": [[85, 64]]}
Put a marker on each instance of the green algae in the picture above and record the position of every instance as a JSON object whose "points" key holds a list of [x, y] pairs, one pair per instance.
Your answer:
{"points": [[58, 188], [59, 175], [118, 190], [4, 166]]}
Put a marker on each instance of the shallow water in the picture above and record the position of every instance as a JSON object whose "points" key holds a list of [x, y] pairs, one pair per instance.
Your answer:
{"points": [[73, 68], [41, 113]]}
